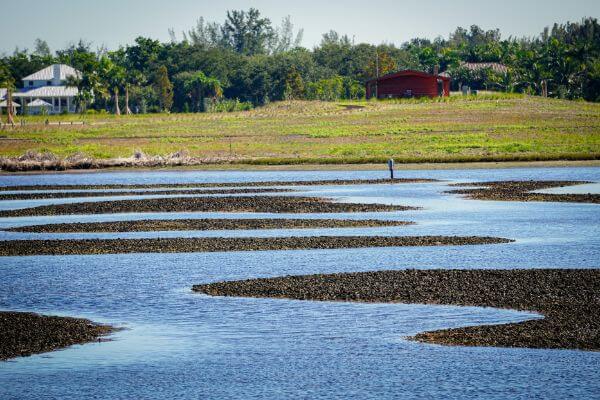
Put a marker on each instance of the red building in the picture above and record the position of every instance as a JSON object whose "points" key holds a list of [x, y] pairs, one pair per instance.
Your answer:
{"points": [[408, 83]]}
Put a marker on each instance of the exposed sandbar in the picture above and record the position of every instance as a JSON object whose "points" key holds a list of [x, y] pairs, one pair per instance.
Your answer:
{"points": [[266, 204], [149, 225], [64, 195], [219, 184], [523, 191], [568, 299], [24, 334], [191, 245]]}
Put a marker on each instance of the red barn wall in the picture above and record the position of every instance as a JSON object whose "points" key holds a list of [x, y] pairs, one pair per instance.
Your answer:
{"points": [[396, 87]]}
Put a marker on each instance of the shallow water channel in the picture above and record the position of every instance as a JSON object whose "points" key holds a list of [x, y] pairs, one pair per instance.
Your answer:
{"points": [[185, 345]]}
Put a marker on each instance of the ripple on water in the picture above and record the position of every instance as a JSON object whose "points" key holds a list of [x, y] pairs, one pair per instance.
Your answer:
{"points": [[188, 346]]}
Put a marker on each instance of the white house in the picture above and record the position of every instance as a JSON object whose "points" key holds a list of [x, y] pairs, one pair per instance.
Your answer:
{"points": [[47, 90], [4, 103]]}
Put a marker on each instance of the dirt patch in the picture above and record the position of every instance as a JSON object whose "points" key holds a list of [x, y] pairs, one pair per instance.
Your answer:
{"points": [[352, 107], [150, 225], [24, 334], [329, 182], [523, 191], [568, 299], [267, 204], [191, 245], [63, 195]]}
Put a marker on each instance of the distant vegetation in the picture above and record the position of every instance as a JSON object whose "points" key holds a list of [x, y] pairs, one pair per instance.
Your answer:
{"points": [[248, 61]]}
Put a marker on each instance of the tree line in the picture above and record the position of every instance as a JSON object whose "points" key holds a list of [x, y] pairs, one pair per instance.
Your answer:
{"points": [[247, 61]]}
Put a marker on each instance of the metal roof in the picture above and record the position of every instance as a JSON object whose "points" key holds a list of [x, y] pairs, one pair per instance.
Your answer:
{"points": [[48, 91], [47, 73], [39, 103], [408, 72], [4, 104], [494, 66]]}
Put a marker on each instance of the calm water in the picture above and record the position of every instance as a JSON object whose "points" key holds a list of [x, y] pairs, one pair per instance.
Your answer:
{"points": [[185, 345]]}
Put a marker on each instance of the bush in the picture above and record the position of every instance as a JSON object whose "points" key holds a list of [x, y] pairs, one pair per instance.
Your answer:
{"points": [[227, 105]]}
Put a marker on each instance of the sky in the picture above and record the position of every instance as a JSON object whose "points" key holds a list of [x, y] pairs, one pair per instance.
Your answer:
{"points": [[111, 23]]}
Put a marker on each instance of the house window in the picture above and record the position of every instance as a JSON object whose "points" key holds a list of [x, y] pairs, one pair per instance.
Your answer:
{"points": [[63, 102], [48, 83], [30, 83]]}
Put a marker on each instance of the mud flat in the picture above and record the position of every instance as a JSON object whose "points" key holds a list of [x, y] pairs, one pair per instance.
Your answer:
{"points": [[266, 204], [523, 191], [24, 334], [150, 225], [568, 299], [64, 195], [191, 245], [220, 184]]}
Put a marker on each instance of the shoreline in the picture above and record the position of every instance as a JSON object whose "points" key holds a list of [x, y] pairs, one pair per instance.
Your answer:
{"points": [[23, 334], [325, 167], [569, 300]]}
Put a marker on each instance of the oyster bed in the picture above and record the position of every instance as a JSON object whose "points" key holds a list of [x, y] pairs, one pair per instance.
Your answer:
{"points": [[265, 204], [148, 225], [523, 191], [24, 334], [568, 299], [190, 245]]}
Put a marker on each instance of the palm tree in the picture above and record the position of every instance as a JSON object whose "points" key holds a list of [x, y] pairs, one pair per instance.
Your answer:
{"points": [[113, 76], [9, 104], [88, 87], [132, 78], [200, 86], [7, 80]]}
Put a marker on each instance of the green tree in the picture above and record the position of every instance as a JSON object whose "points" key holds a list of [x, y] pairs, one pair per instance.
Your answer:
{"points": [[114, 78], [247, 32], [381, 64], [196, 86], [41, 48], [294, 85], [88, 82], [163, 88]]}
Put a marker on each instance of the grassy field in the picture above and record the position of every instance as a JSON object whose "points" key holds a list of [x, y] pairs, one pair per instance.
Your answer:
{"points": [[455, 129]]}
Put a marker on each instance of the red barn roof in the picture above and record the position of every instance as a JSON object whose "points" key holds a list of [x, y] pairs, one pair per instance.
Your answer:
{"points": [[407, 72]]}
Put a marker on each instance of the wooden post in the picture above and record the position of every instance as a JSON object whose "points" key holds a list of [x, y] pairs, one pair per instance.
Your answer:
{"points": [[391, 167]]}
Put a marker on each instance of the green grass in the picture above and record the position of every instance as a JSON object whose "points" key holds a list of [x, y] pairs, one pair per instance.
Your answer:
{"points": [[490, 127]]}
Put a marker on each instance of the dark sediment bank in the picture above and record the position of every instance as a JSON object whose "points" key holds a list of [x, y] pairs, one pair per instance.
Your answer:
{"points": [[267, 204], [218, 184], [190, 245], [523, 191], [64, 195], [568, 299], [24, 334], [149, 225]]}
